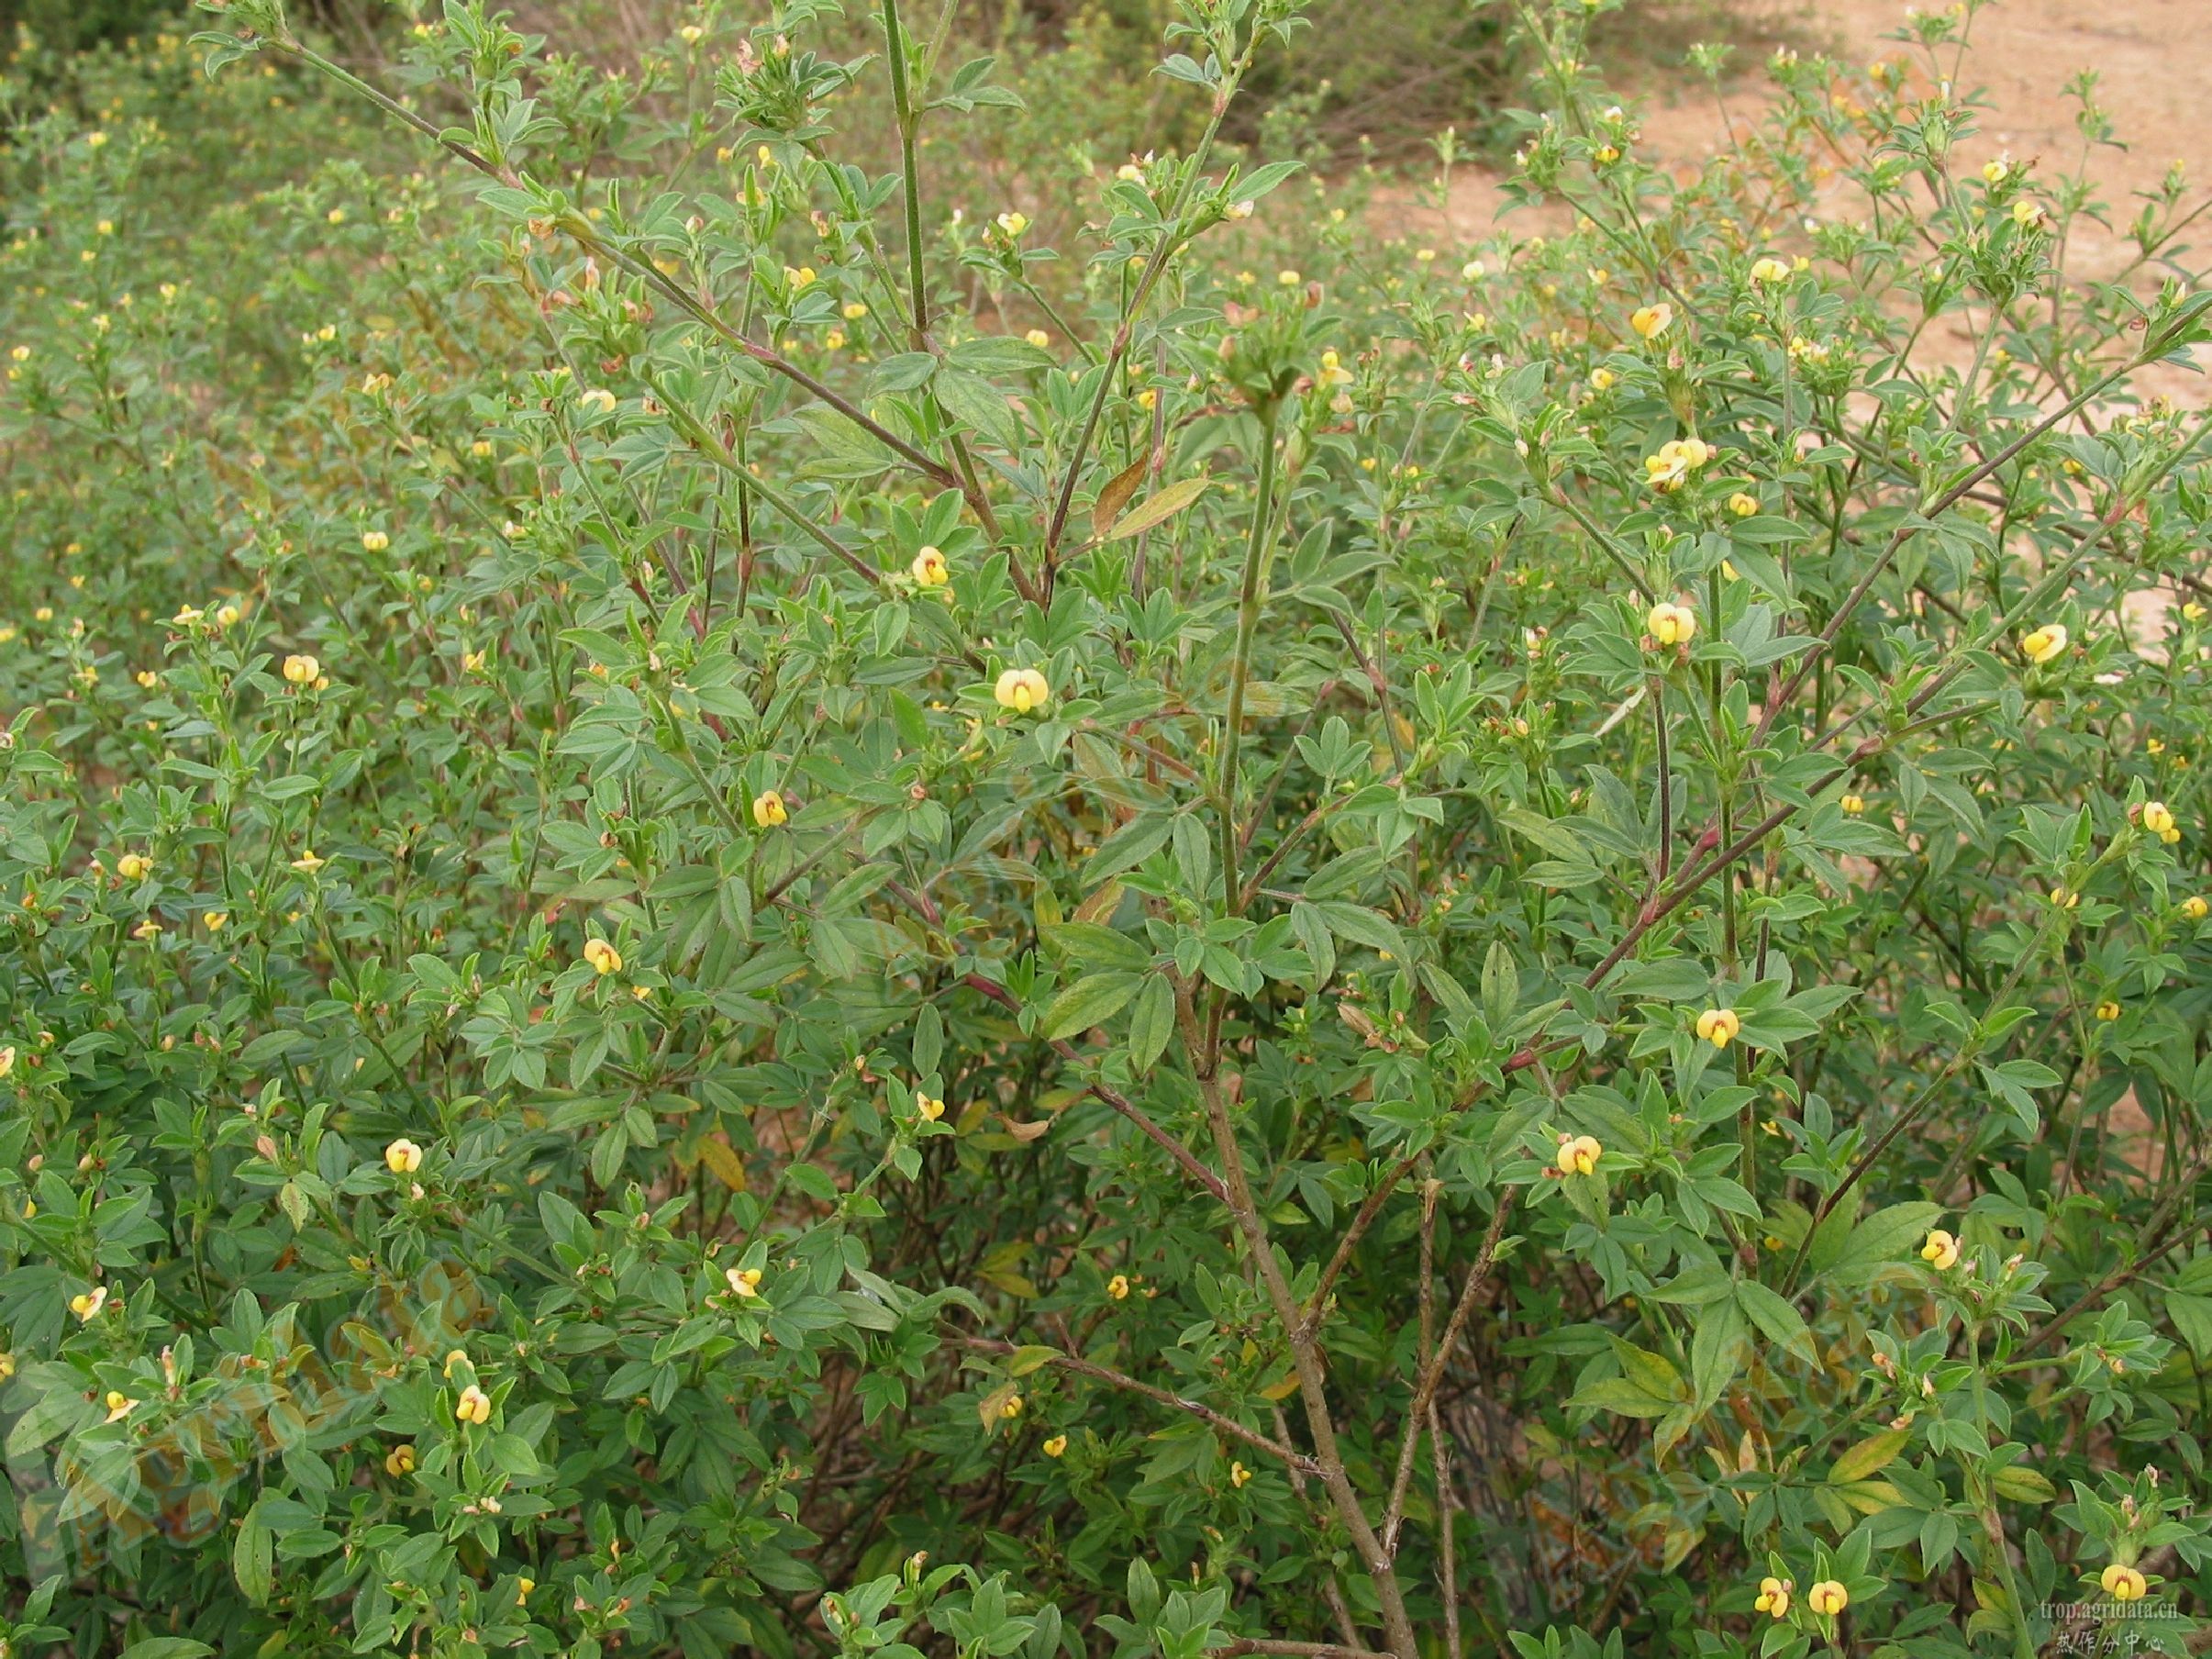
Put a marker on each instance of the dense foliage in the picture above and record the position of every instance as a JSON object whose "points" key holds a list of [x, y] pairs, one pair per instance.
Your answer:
{"points": [[741, 915]]}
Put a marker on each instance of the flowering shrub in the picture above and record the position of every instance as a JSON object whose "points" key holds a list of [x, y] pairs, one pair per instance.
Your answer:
{"points": [[741, 915]]}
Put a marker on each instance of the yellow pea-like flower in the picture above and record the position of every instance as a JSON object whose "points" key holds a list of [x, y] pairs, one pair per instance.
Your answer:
{"points": [[1774, 1598], [301, 670], [1670, 624], [1940, 1252], [473, 1407], [2045, 643], [929, 568], [1828, 1598], [1578, 1154], [743, 1281], [1055, 1446], [1719, 1026], [605, 959], [1652, 321], [769, 810], [402, 1157], [399, 1461], [2123, 1583], [1023, 690]]}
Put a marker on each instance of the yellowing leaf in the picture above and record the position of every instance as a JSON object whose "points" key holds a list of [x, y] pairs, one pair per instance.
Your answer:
{"points": [[719, 1156], [1166, 504], [1870, 1454], [2023, 1485], [1123, 485]]}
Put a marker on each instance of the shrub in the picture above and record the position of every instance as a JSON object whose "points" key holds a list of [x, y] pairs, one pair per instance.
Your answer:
{"points": [[741, 918]]}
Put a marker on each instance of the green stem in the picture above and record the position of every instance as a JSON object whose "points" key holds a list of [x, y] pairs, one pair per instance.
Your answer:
{"points": [[1248, 624]]}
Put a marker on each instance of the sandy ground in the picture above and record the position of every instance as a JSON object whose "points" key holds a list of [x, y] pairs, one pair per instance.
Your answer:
{"points": [[2154, 63]]}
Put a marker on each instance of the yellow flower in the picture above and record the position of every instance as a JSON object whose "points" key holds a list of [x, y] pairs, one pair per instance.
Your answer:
{"points": [[1995, 171], [522, 1586], [1012, 1408], [1333, 372], [1237, 1473], [1652, 321], [1037, 337], [605, 959], [2108, 1010], [2195, 906], [1118, 1287], [120, 1404], [306, 863], [1828, 1598], [1578, 1154], [1601, 380], [1770, 271], [1743, 505], [691, 34], [2159, 819], [929, 568], [930, 1106], [1719, 1026], [2044, 643], [2027, 215], [399, 1461], [227, 616], [149, 928], [1022, 690], [854, 310], [402, 1157], [1288, 279], [301, 670], [375, 541], [769, 810], [1670, 624], [598, 398], [215, 920], [134, 866], [1669, 469], [1013, 222], [87, 1307], [2193, 612], [187, 615], [473, 1407], [1852, 804], [743, 1281], [1055, 1446], [2123, 1583], [1940, 1252], [799, 279], [1774, 1598], [7, 1059]]}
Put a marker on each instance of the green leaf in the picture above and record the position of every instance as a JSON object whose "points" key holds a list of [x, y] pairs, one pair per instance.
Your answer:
{"points": [[1776, 1319], [253, 1558], [1089, 1001], [167, 1647], [1152, 1023]]}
